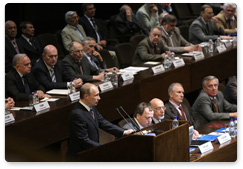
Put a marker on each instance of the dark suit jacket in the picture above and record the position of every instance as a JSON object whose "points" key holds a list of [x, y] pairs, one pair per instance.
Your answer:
{"points": [[15, 88], [89, 30], [198, 32], [230, 92], [43, 76], [83, 129], [202, 109], [145, 51], [32, 53], [171, 111], [10, 52], [73, 69]]}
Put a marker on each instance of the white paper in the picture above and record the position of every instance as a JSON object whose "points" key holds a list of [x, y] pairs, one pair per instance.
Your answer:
{"points": [[152, 63], [58, 91]]}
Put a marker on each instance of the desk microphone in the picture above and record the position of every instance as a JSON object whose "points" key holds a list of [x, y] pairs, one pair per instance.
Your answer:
{"points": [[125, 119]]}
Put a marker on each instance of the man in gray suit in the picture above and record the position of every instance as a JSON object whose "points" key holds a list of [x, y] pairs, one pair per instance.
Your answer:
{"points": [[210, 104], [206, 26], [151, 48]]}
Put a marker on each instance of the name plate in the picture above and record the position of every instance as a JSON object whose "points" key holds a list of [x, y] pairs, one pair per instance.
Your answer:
{"points": [[127, 76], [158, 69], [178, 63], [198, 56], [223, 138], [9, 118], [74, 96], [228, 44], [41, 106], [106, 86], [205, 147], [221, 48]]}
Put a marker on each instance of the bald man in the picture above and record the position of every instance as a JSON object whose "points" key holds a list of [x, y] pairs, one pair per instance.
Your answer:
{"points": [[159, 110], [50, 73], [84, 121]]}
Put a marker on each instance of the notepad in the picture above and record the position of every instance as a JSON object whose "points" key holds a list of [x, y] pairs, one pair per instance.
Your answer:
{"points": [[58, 91], [209, 137]]}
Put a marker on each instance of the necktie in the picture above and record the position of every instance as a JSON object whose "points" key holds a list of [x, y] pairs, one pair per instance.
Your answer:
{"points": [[52, 73], [155, 50], [80, 34], [26, 85], [94, 25], [32, 43], [93, 63], [92, 113], [182, 113], [80, 67], [15, 46], [215, 105], [207, 29]]}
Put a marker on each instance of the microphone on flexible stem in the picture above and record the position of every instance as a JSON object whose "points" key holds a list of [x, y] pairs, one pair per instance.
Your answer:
{"points": [[124, 119], [134, 123]]}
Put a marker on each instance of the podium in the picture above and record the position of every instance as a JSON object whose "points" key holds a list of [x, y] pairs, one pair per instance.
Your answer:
{"points": [[170, 146]]}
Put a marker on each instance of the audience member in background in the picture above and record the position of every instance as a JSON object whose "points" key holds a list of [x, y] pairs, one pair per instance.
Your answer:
{"points": [[164, 8], [78, 66], [151, 48], [230, 92], [127, 24], [10, 103], [93, 56], [93, 28], [72, 31], [205, 27], [142, 117], [12, 45], [20, 82], [210, 104], [227, 18], [31, 44], [172, 38], [85, 120], [159, 110], [148, 16], [50, 72]]}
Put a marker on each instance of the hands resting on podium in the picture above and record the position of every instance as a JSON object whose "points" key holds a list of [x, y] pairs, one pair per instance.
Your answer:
{"points": [[129, 131]]}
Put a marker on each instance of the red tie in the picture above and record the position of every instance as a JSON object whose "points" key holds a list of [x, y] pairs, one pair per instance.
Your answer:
{"points": [[182, 113], [80, 67]]}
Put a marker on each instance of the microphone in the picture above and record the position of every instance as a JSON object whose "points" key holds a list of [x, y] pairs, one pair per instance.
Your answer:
{"points": [[124, 119], [134, 123]]}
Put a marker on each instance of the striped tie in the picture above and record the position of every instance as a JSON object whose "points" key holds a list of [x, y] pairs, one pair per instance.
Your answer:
{"points": [[53, 78]]}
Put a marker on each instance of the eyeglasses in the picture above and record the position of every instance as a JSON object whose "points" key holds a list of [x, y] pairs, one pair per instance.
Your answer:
{"points": [[159, 108]]}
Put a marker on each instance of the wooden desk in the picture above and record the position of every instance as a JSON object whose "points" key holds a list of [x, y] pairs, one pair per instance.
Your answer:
{"points": [[226, 152]]}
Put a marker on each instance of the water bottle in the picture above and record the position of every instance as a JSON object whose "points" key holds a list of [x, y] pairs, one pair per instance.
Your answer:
{"points": [[7, 111], [235, 123], [210, 45], [166, 61], [114, 78], [72, 87], [231, 128], [106, 77], [175, 122], [172, 56], [35, 98], [218, 41]]}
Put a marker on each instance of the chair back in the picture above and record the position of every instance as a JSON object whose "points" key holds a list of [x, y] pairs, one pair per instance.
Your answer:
{"points": [[125, 53]]}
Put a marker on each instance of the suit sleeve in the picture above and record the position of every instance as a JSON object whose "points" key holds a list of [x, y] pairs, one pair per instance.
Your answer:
{"points": [[66, 39]]}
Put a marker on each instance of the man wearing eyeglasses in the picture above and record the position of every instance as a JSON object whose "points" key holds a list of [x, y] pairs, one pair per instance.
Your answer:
{"points": [[50, 72], [175, 106], [159, 110]]}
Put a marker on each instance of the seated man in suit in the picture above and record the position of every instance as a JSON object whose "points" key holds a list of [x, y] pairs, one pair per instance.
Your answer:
{"points": [[159, 110], [142, 117], [228, 19], [84, 121], [230, 92], [210, 104], [49, 71], [148, 16], [172, 38], [151, 48], [31, 44], [12, 45], [127, 24], [175, 106], [20, 82], [93, 56], [205, 27], [78, 66]]}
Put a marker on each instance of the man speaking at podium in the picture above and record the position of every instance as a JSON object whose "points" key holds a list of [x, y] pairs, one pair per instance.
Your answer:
{"points": [[84, 121]]}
